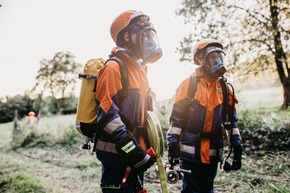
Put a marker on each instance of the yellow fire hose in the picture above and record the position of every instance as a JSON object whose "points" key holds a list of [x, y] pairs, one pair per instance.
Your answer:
{"points": [[156, 141]]}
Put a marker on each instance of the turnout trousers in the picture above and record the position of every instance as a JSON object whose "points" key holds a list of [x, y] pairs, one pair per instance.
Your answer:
{"points": [[201, 178], [113, 170]]}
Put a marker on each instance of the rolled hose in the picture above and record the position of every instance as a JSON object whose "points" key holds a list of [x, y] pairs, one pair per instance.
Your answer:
{"points": [[156, 141]]}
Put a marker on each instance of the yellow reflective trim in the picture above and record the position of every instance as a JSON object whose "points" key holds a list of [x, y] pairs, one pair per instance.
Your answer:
{"points": [[128, 147], [113, 186]]}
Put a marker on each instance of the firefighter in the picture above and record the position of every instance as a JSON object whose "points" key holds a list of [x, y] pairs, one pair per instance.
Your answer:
{"points": [[195, 136], [122, 113], [31, 120]]}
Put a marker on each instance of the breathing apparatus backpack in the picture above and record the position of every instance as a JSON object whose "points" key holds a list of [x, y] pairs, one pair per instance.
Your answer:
{"points": [[86, 116]]}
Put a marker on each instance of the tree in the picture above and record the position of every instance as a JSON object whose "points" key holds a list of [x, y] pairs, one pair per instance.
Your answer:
{"points": [[19, 103], [255, 34], [58, 76]]}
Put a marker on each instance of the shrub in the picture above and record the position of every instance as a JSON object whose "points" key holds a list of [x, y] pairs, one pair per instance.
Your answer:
{"points": [[264, 131]]}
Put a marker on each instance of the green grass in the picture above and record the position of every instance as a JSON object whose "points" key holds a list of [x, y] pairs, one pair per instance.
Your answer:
{"points": [[52, 159], [6, 134], [22, 183], [260, 97], [50, 132]]}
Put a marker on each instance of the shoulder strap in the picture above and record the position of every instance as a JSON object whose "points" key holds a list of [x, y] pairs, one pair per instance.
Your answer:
{"points": [[123, 71], [225, 109], [223, 82], [192, 87], [86, 76]]}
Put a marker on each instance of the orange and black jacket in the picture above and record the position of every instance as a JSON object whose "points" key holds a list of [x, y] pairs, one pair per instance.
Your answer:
{"points": [[117, 112], [197, 126]]}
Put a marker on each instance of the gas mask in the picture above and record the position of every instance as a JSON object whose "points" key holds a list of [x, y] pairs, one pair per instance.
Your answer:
{"points": [[213, 61], [148, 45]]}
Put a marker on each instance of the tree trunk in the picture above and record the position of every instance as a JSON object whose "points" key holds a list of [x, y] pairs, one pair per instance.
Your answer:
{"points": [[280, 56], [286, 94]]}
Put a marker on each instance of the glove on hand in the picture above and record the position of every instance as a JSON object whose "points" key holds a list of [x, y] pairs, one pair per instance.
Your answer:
{"points": [[173, 153], [237, 161], [137, 158]]}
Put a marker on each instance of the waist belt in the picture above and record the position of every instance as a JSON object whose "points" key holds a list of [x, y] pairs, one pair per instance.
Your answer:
{"points": [[208, 135], [106, 146], [192, 150]]}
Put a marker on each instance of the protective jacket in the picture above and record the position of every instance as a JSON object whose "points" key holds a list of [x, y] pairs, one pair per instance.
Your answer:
{"points": [[120, 110], [197, 125]]}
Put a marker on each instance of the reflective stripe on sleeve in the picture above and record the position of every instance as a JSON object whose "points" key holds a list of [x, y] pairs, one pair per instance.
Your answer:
{"points": [[106, 146], [187, 149], [236, 131], [146, 158], [113, 125], [174, 130]]}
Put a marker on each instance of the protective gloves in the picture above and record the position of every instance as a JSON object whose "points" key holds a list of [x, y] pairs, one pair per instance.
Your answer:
{"points": [[137, 158], [173, 153], [237, 161]]}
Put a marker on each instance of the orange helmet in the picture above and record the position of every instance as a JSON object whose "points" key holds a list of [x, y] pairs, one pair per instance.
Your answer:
{"points": [[122, 21], [203, 44], [31, 113]]}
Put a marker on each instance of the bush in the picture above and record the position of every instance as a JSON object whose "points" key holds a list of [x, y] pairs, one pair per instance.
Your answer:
{"points": [[50, 132], [263, 131]]}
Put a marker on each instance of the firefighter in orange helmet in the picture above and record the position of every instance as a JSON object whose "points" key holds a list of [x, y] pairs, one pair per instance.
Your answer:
{"points": [[31, 120], [195, 136], [122, 115]]}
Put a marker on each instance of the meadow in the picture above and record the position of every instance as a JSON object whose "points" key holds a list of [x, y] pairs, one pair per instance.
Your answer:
{"points": [[49, 159]]}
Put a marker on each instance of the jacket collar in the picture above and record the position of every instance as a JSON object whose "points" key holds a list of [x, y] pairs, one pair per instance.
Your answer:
{"points": [[124, 56], [201, 75]]}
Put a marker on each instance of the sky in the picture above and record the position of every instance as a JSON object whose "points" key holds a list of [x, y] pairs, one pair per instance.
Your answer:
{"points": [[32, 30]]}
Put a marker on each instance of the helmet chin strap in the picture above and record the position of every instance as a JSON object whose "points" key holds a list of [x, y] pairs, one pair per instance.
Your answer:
{"points": [[130, 49]]}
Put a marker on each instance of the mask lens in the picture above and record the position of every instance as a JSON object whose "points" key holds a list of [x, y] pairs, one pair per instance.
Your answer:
{"points": [[214, 59], [214, 62], [149, 45]]}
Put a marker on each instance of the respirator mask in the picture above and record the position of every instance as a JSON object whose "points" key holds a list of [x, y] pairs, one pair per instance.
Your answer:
{"points": [[148, 45], [213, 61]]}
